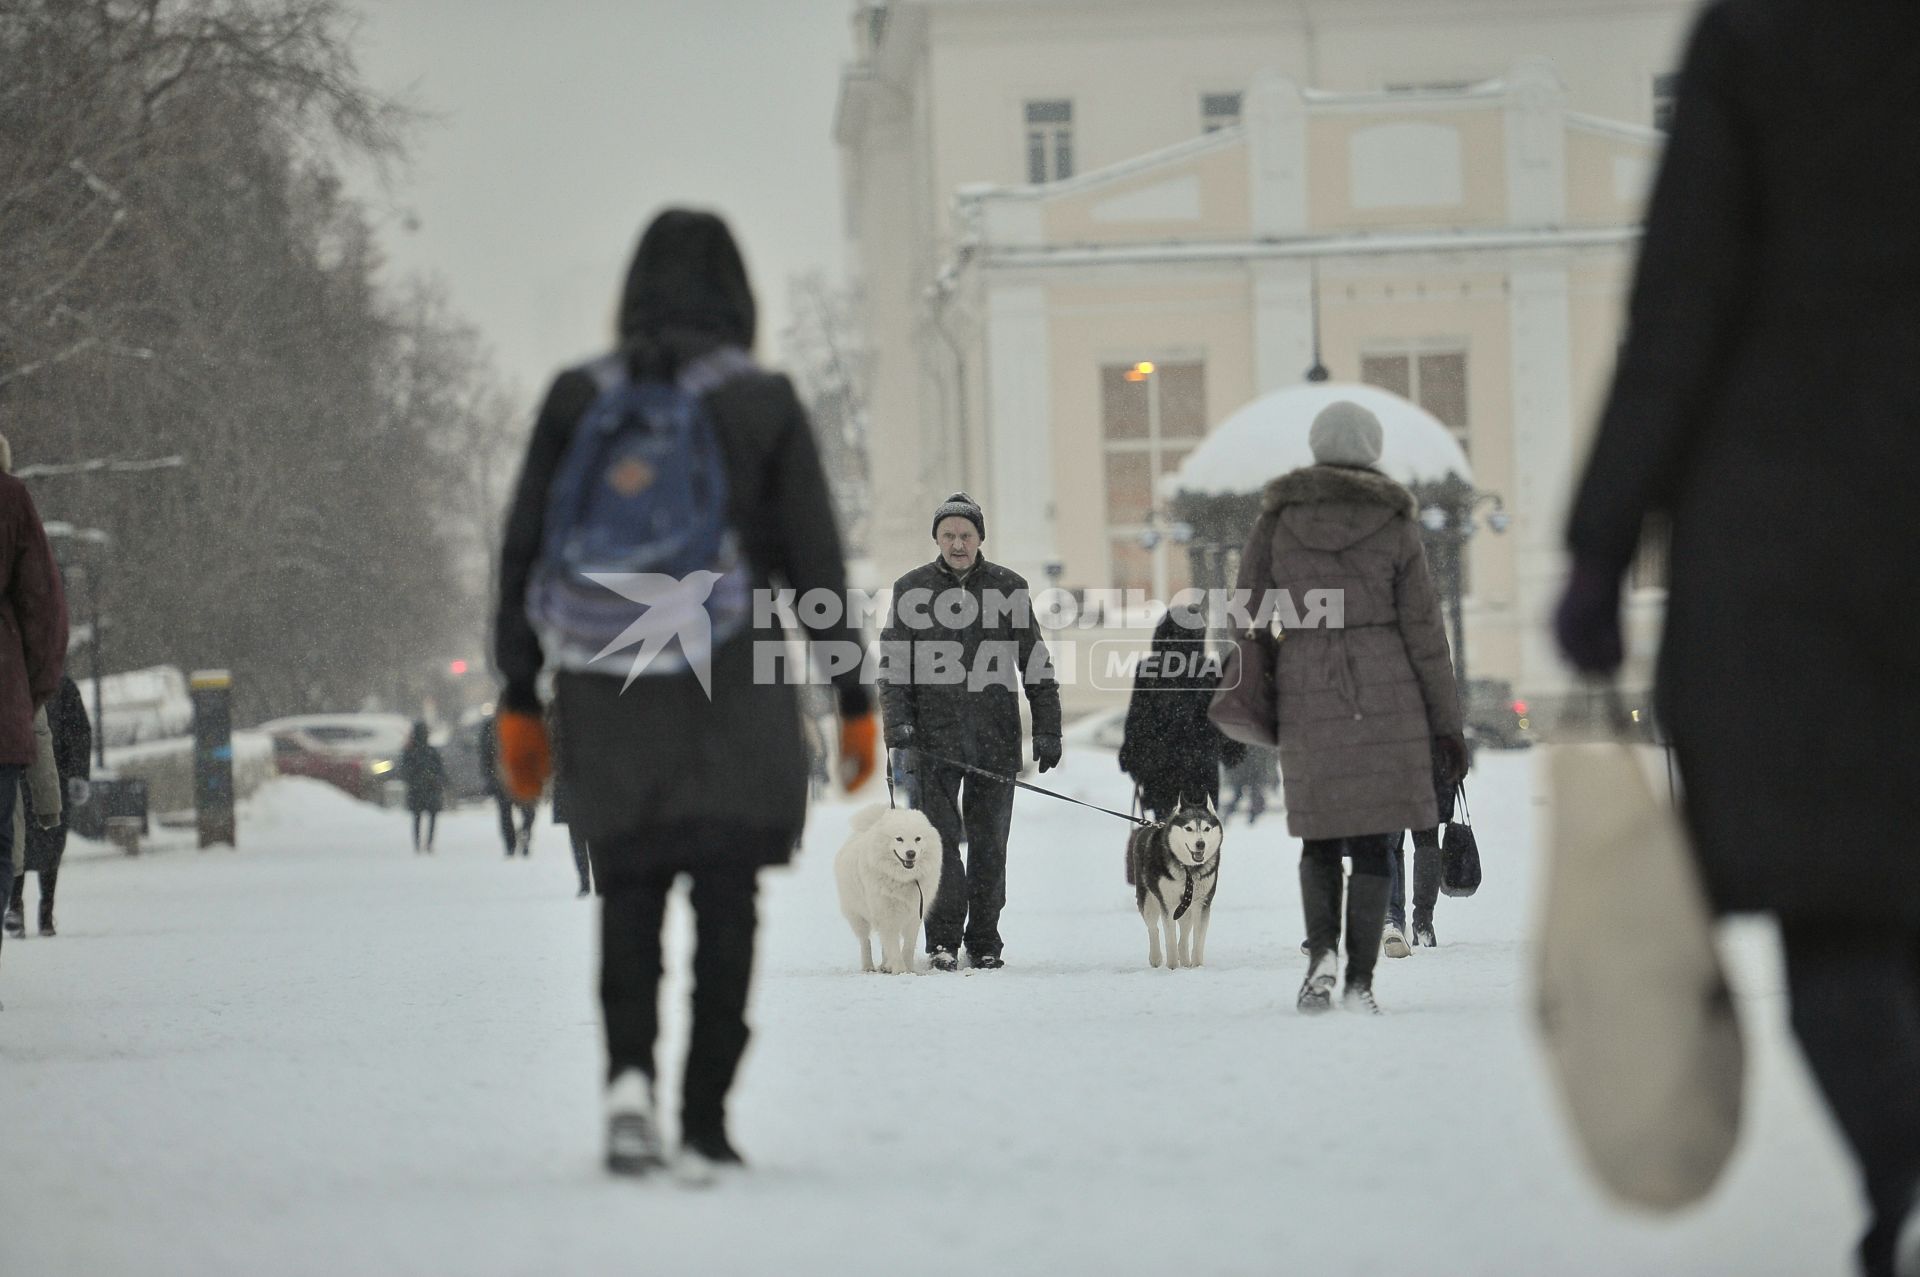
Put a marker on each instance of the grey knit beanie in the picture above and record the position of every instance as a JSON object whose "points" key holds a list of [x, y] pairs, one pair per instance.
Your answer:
{"points": [[1345, 434], [965, 507]]}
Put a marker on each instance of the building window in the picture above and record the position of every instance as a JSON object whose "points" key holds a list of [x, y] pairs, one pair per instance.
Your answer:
{"points": [[1152, 415], [1666, 88], [1434, 379], [1049, 141], [1219, 111]]}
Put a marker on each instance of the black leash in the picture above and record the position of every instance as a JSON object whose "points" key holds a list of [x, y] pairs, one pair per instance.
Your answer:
{"points": [[984, 774]]}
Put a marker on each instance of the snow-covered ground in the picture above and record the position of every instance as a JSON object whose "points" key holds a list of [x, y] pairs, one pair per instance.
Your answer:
{"points": [[324, 1055]]}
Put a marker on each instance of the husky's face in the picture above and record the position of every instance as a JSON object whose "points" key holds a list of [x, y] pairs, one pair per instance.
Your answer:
{"points": [[908, 840], [1194, 834]]}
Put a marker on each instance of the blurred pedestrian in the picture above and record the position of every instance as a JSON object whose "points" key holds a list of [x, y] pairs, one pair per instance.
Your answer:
{"points": [[72, 744], [33, 642], [1169, 746], [1253, 776], [516, 817], [1362, 705], [425, 774], [684, 761], [1426, 875], [1764, 410]]}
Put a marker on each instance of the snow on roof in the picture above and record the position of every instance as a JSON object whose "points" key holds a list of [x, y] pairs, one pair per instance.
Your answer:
{"points": [[1268, 437]]}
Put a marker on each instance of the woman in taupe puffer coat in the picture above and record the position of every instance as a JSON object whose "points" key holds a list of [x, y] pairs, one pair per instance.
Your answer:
{"points": [[1365, 698]]}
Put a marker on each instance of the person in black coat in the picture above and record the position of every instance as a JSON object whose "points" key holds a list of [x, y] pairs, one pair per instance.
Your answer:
{"points": [[1170, 747], [518, 839], [945, 718], [73, 757], [1765, 410], [425, 774], [666, 776]]}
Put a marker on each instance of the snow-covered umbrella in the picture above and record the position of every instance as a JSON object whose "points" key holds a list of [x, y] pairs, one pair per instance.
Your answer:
{"points": [[1268, 437]]}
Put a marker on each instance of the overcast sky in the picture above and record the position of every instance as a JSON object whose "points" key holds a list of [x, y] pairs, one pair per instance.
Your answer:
{"points": [[563, 126]]}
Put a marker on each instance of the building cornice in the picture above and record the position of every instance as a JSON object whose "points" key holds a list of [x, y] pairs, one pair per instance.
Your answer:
{"points": [[1320, 246]]}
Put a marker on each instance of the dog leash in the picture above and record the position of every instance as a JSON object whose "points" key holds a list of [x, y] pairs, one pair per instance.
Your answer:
{"points": [[984, 774]]}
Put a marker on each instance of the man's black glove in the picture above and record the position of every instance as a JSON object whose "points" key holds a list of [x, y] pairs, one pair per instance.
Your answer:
{"points": [[1046, 752], [1453, 758], [899, 735]]}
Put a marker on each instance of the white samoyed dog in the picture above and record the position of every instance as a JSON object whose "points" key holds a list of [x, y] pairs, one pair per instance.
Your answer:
{"points": [[888, 872]]}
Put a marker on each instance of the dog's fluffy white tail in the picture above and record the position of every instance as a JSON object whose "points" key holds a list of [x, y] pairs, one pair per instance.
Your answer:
{"points": [[864, 818]]}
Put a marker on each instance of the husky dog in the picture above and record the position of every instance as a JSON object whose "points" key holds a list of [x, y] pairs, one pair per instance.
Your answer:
{"points": [[889, 873], [1175, 868]]}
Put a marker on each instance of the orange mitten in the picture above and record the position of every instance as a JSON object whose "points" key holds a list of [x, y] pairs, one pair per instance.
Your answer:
{"points": [[856, 750], [524, 758]]}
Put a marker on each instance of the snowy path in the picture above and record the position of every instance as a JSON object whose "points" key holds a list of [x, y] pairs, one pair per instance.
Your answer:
{"points": [[323, 1055]]}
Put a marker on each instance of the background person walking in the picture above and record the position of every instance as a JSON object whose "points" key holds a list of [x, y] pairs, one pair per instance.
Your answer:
{"points": [[1362, 707], [73, 764], [960, 638], [425, 774], [669, 774]]}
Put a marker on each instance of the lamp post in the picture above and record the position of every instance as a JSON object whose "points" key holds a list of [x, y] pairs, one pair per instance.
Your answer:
{"points": [[1449, 515]]}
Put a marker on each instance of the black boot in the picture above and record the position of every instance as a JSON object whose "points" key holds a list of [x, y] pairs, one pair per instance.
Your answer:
{"points": [[1367, 896], [1426, 884], [1320, 884]]}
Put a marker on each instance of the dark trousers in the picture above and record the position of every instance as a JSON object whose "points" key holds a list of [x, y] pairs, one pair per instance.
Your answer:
{"points": [[582, 862], [973, 891], [507, 835], [49, 878], [1855, 993], [430, 818], [1321, 882], [1426, 879], [725, 918]]}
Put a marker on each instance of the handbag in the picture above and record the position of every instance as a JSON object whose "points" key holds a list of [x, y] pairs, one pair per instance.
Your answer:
{"points": [[1634, 1010], [1460, 851], [1246, 706]]}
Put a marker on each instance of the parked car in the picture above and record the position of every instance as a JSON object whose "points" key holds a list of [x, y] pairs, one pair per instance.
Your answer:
{"points": [[1495, 717], [359, 753]]}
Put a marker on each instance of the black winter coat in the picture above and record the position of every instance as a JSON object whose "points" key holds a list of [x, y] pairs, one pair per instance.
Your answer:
{"points": [[1767, 400], [72, 756], [1170, 747], [425, 774], [973, 721]]}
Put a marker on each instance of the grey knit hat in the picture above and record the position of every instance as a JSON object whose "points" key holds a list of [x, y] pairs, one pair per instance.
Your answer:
{"points": [[1345, 434], [963, 506]]}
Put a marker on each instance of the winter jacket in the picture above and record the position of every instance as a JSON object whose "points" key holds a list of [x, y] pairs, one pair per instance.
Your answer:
{"points": [[1765, 402], [41, 786], [1360, 704], [970, 719], [72, 756], [425, 774], [647, 764], [33, 622], [1170, 747]]}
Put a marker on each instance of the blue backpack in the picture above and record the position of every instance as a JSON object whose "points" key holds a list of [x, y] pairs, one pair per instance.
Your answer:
{"points": [[641, 489]]}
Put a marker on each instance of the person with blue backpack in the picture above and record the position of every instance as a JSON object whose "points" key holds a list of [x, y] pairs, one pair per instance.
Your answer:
{"points": [[664, 484]]}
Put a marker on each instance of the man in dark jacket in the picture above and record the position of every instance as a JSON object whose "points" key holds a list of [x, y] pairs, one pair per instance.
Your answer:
{"points": [[33, 636], [960, 638], [73, 758], [1764, 407]]}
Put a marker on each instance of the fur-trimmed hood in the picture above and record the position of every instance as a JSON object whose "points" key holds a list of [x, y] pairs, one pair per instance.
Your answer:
{"points": [[1331, 507]]}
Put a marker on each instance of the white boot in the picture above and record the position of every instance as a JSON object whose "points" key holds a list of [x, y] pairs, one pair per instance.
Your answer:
{"points": [[633, 1136], [1393, 943]]}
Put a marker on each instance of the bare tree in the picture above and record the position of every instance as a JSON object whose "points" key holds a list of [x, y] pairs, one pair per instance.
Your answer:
{"points": [[826, 353]]}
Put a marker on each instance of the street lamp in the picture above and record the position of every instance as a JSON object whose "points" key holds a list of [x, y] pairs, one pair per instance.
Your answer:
{"points": [[1450, 520]]}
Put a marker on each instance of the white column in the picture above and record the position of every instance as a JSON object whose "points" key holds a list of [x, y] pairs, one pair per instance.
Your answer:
{"points": [[1536, 144], [1019, 500], [1282, 323], [1541, 319], [1276, 120]]}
